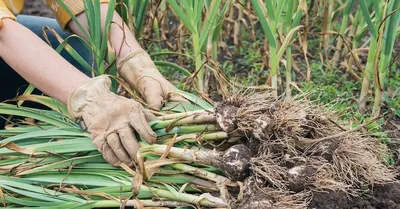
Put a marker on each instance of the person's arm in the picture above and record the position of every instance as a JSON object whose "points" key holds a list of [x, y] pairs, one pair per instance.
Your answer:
{"points": [[111, 119], [134, 64], [38, 63]]}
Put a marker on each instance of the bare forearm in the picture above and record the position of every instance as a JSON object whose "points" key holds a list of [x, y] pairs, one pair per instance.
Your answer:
{"points": [[123, 41], [38, 63]]}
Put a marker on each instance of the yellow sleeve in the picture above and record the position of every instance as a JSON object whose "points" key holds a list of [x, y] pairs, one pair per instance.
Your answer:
{"points": [[62, 16], [10, 8]]}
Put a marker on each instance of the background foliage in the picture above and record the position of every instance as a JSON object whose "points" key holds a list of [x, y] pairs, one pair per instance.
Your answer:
{"points": [[341, 52]]}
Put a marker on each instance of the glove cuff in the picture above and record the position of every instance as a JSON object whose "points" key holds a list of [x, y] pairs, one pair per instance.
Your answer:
{"points": [[86, 94]]}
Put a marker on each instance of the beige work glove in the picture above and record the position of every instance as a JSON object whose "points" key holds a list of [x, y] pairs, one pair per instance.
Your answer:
{"points": [[140, 72], [111, 120]]}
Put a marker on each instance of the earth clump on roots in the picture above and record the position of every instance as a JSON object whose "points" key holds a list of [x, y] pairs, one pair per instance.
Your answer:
{"points": [[299, 154]]}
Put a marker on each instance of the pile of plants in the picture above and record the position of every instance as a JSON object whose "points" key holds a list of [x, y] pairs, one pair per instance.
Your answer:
{"points": [[249, 151]]}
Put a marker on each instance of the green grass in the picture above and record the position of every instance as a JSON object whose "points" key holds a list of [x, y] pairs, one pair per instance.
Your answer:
{"points": [[335, 87]]}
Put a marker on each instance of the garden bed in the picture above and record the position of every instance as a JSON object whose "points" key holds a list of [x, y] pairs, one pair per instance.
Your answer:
{"points": [[248, 150]]}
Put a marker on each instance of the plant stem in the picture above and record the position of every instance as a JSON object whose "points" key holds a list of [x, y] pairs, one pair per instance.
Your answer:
{"points": [[135, 203], [191, 119], [214, 50], [170, 195], [288, 25], [174, 196], [274, 70], [197, 137], [378, 88], [220, 180], [288, 72], [339, 43], [369, 73], [187, 130], [183, 114], [198, 62], [209, 157], [388, 36]]}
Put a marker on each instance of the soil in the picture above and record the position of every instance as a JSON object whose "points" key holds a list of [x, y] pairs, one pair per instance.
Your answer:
{"points": [[37, 8], [383, 197], [392, 126]]}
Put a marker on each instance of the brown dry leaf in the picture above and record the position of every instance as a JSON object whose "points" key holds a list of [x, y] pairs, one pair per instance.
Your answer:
{"points": [[12, 146], [152, 166], [140, 164], [304, 44], [83, 195], [287, 41], [2, 197], [137, 182], [127, 169]]}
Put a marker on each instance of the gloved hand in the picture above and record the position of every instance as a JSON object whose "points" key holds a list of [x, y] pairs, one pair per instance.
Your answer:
{"points": [[140, 72], [111, 120]]}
